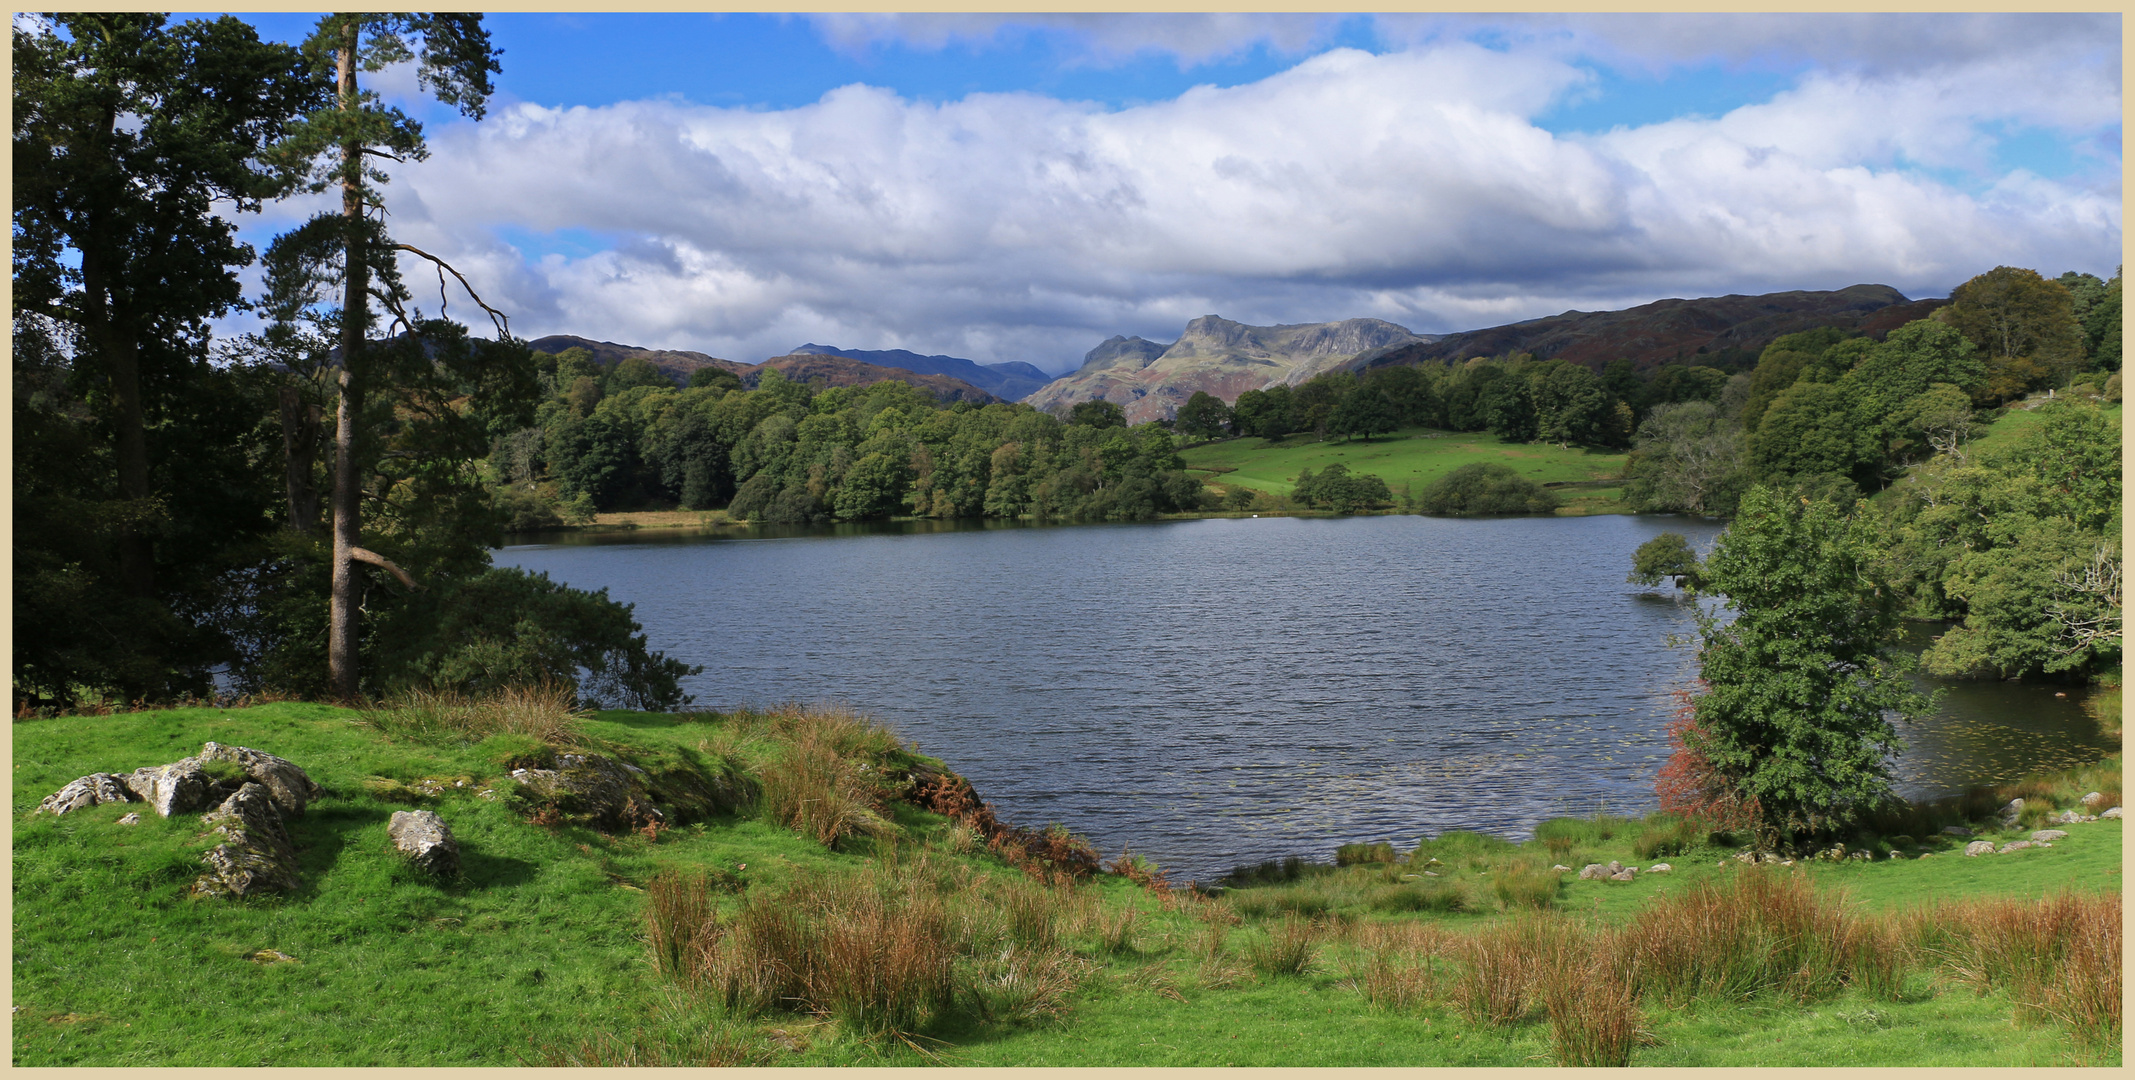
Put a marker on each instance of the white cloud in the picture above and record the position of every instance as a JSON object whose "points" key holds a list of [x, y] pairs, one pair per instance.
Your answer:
{"points": [[1410, 186]]}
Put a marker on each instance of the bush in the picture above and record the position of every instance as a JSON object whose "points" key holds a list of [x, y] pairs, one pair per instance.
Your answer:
{"points": [[1338, 489], [1485, 488]]}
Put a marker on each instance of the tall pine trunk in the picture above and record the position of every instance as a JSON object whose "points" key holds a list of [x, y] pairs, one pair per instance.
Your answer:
{"points": [[355, 310]]}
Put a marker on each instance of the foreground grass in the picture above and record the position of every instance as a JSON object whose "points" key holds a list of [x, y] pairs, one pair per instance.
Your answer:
{"points": [[562, 944], [1412, 456]]}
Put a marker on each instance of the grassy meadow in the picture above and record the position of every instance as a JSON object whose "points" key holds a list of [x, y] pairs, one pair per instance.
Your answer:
{"points": [[857, 908], [1413, 457]]}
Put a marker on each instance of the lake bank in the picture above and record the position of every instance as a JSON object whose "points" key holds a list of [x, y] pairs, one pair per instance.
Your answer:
{"points": [[1224, 691]]}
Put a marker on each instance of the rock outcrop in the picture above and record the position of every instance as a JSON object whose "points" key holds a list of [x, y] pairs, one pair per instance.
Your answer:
{"points": [[424, 838], [255, 855], [1217, 356], [290, 786], [180, 787], [86, 791]]}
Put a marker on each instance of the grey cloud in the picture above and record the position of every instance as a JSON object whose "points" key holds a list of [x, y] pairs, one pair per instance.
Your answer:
{"points": [[1410, 187]]}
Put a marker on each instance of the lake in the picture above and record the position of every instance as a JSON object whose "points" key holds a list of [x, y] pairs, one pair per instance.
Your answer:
{"points": [[1221, 691]]}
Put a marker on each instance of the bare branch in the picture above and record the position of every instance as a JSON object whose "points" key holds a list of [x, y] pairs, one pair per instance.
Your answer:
{"points": [[498, 318], [375, 559]]}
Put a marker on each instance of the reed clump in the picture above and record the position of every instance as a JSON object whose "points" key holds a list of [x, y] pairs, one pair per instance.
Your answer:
{"points": [[2058, 958]]}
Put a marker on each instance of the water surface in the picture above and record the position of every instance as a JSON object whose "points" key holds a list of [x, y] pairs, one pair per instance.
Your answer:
{"points": [[1227, 690]]}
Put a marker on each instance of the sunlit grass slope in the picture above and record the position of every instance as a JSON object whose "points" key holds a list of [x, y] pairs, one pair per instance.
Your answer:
{"points": [[858, 906], [1413, 456]]}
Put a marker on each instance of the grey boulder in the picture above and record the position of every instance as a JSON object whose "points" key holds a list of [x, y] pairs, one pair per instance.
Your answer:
{"points": [[2110, 815], [85, 792], [177, 788], [289, 785], [425, 839], [1594, 872], [1979, 847], [2049, 834], [255, 855]]}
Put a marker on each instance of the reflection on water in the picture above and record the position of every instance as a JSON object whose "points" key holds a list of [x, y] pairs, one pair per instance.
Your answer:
{"points": [[1228, 690]]}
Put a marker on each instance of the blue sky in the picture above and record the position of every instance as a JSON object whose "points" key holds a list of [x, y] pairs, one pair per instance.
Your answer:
{"points": [[1021, 187]]}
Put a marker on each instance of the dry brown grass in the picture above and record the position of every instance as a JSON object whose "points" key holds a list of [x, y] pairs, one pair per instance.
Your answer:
{"points": [[2058, 958]]}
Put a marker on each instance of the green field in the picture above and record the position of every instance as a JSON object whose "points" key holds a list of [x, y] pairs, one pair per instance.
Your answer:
{"points": [[543, 953], [1414, 457]]}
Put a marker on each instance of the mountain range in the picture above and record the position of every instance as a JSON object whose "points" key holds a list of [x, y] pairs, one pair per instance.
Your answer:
{"points": [[1151, 379], [1214, 354]]}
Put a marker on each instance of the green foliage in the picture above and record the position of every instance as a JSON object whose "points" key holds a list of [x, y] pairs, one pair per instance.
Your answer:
{"points": [[506, 627], [1097, 413], [1485, 488], [2024, 325], [1204, 416], [1337, 489], [2020, 541], [1666, 556], [1689, 459], [1800, 687]]}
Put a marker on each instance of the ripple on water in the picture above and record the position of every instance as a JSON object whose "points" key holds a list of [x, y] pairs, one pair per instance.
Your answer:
{"points": [[1225, 691]]}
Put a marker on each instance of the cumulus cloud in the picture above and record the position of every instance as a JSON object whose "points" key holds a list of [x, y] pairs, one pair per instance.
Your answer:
{"points": [[1411, 186]]}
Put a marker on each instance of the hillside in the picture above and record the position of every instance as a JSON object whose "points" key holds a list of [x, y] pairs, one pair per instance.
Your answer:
{"points": [[678, 365], [1010, 381], [828, 369], [800, 888], [1587, 479], [1215, 355], [1652, 334], [831, 370]]}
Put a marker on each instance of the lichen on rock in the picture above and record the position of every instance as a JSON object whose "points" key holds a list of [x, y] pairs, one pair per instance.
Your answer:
{"points": [[426, 840], [291, 787], [177, 788], [255, 855], [86, 791]]}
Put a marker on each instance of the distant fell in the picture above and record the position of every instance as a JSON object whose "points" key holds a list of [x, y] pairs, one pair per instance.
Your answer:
{"points": [[1217, 356], [830, 369], [821, 369], [677, 365], [1009, 381], [1653, 334]]}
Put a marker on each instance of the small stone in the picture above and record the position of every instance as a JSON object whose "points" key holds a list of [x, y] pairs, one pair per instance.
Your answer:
{"points": [[85, 792], [273, 956], [1979, 847], [2093, 799], [2110, 815], [1955, 830], [1430, 873], [1614, 866], [2014, 845], [424, 838], [1560, 868], [130, 819], [1897, 854], [1594, 872], [2049, 834], [1786, 862], [1770, 858], [1628, 873], [1662, 868]]}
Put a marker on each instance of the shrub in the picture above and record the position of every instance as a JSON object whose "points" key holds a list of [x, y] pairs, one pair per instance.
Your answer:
{"points": [[1485, 488], [1338, 489]]}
